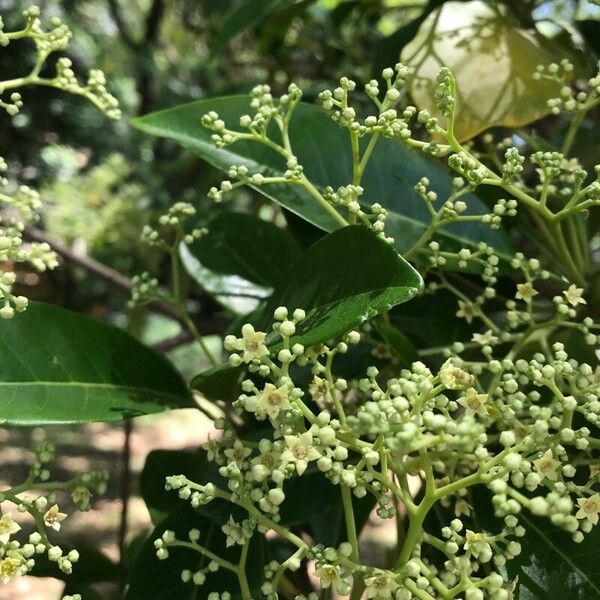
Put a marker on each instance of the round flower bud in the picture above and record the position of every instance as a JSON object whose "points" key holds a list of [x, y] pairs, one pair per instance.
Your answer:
{"points": [[287, 328]]}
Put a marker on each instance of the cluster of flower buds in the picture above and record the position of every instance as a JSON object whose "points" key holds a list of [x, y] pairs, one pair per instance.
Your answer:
{"points": [[17, 558]]}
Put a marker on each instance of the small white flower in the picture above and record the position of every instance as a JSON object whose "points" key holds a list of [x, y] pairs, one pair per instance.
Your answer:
{"points": [[589, 508], [574, 295], [252, 344], [485, 339], [273, 400], [380, 586], [455, 378], [474, 403], [54, 517], [238, 453], [466, 310], [547, 466], [299, 451], [526, 291], [7, 528]]}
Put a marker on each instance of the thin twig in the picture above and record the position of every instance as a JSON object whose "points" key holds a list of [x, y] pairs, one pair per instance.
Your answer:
{"points": [[216, 324]]}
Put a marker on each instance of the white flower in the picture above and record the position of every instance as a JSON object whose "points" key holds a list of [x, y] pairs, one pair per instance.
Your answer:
{"points": [[238, 453], [234, 532], [466, 310], [589, 508], [380, 586], [474, 402], [547, 466], [273, 400], [53, 517], [7, 528], [525, 291], [11, 566], [252, 344], [299, 451], [485, 339], [455, 378], [330, 576], [574, 295]]}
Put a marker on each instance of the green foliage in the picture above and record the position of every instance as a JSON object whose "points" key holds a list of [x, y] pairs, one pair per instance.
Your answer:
{"points": [[60, 367]]}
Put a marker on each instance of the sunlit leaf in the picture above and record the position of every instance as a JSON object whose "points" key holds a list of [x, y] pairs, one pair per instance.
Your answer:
{"points": [[492, 59]]}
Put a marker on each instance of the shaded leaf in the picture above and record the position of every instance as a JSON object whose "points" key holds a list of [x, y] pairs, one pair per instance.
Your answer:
{"points": [[240, 260], [344, 278], [60, 367], [492, 59]]}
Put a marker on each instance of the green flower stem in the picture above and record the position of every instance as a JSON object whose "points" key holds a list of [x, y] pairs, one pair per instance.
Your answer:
{"points": [[416, 591], [241, 572], [572, 131], [205, 552], [350, 521]]}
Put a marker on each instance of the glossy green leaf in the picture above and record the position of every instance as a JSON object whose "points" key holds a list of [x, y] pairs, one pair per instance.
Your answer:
{"points": [[240, 260], [343, 279], [161, 580], [323, 149], [60, 367], [492, 59]]}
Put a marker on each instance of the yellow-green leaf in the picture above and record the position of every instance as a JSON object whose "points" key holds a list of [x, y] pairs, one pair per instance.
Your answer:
{"points": [[492, 59]]}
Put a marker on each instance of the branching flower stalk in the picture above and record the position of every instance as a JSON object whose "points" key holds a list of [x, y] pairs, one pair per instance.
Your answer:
{"points": [[491, 420], [37, 496], [19, 204]]}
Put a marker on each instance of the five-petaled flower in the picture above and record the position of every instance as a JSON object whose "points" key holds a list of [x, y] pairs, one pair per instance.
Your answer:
{"points": [[526, 291], [273, 400], [547, 466], [380, 586], [466, 310], [330, 576], [54, 517], [7, 528], [300, 451], [574, 295], [238, 453], [474, 402], [252, 344], [589, 508]]}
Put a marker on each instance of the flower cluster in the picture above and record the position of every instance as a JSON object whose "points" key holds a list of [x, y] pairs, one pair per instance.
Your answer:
{"points": [[19, 204], [37, 496]]}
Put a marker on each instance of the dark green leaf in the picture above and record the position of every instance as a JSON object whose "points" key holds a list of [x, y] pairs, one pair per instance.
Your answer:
{"points": [[323, 149], [551, 564], [244, 245], [60, 367], [240, 260], [400, 345], [344, 278]]}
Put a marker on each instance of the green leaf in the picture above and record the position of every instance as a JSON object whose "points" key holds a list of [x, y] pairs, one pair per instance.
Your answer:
{"points": [[323, 148], [493, 61], [241, 17], [398, 343], [161, 579], [60, 367], [343, 279], [240, 260]]}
